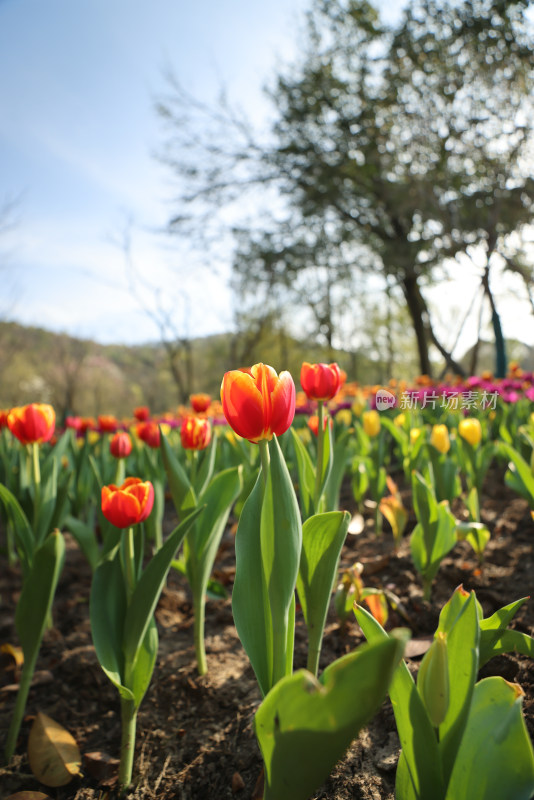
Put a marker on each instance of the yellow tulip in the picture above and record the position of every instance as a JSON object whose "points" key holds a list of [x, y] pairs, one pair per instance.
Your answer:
{"points": [[439, 438], [344, 416], [470, 430], [415, 433], [371, 423], [399, 420]]}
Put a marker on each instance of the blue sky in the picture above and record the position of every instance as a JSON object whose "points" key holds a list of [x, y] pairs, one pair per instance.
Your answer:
{"points": [[78, 132]]}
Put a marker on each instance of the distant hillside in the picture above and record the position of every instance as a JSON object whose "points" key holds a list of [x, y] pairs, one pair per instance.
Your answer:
{"points": [[82, 377]]}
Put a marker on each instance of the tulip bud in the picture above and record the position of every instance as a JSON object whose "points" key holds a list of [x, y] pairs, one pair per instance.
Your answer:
{"points": [[470, 430], [433, 680], [439, 438], [371, 423]]}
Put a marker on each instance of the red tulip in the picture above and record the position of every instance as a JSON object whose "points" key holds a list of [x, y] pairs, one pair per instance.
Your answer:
{"points": [[200, 402], [257, 402], [195, 433], [120, 445], [128, 504], [32, 423], [149, 433], [142, 413], [320, 381]]}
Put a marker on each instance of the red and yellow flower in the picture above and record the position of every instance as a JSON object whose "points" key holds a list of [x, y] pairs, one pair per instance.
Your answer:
{"points": [[34, 423], [257, 402], [128, 504], [200, 402], [195, 433], [321, 381]]}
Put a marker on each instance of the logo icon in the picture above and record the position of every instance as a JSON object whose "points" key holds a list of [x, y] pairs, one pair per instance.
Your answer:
{"points": [[385, 400]]}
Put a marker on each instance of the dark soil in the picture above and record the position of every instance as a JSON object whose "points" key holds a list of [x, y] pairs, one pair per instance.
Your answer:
{"points": [[195, 737]]}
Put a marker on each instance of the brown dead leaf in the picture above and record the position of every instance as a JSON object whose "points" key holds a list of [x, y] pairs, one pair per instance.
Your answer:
{"points": [[29, 796], [52, 752], [417, 647], [237, 783], [40, 677], [102, 767]]}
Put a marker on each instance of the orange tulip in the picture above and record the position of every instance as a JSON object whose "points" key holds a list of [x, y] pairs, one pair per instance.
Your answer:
{"points": [[257, 402], [120, 445], [195, 433], [200, 402], [107, 423], [149, 433], [32, 423], [320, 381], [128, 504]]}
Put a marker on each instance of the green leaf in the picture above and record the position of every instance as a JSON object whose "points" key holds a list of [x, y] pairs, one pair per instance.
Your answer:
{"points": [[506, 642], [337, 472], [138, 678], [418, 741], [250, 604], [304, 725], [38, 592], [522, 470], [182, 493], [462, 658], [306, 474], [23, 531], [86, 538], [281, 545], [107, 610], [202, 541], [147, 592], [207, 465], [496, 759], [322, 539]]}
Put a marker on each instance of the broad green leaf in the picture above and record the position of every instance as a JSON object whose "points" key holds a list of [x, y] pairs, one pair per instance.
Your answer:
{"points": [[462, 657], [250, 604], [304, 725], [507, 642], [138, 679], [46, 504], [281, 545], [38, 592], [182, 493], [205, 473], [23, 531], [424, 501], [148, 589], [306, 474], [322, 539], [202, 541], [523, 471], [416, 734], [86, 538], [337, 472], [495, 760], [107, 610]]}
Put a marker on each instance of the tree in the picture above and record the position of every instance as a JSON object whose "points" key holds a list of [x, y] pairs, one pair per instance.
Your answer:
{"points": [[407, 145]]}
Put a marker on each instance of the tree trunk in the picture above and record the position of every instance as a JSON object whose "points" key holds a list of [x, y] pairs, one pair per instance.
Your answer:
{"points": [[500, 347], [417, 308]]}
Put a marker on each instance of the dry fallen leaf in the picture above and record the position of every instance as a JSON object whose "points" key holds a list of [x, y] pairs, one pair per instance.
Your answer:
{"points": [[29, 796], [101, 766], [52, 752]]}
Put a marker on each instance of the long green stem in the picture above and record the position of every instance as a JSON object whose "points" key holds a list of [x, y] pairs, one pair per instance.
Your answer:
{"points": [[129, 720], [199, 607], [20, 704], [36, 474], [320, 451]]}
